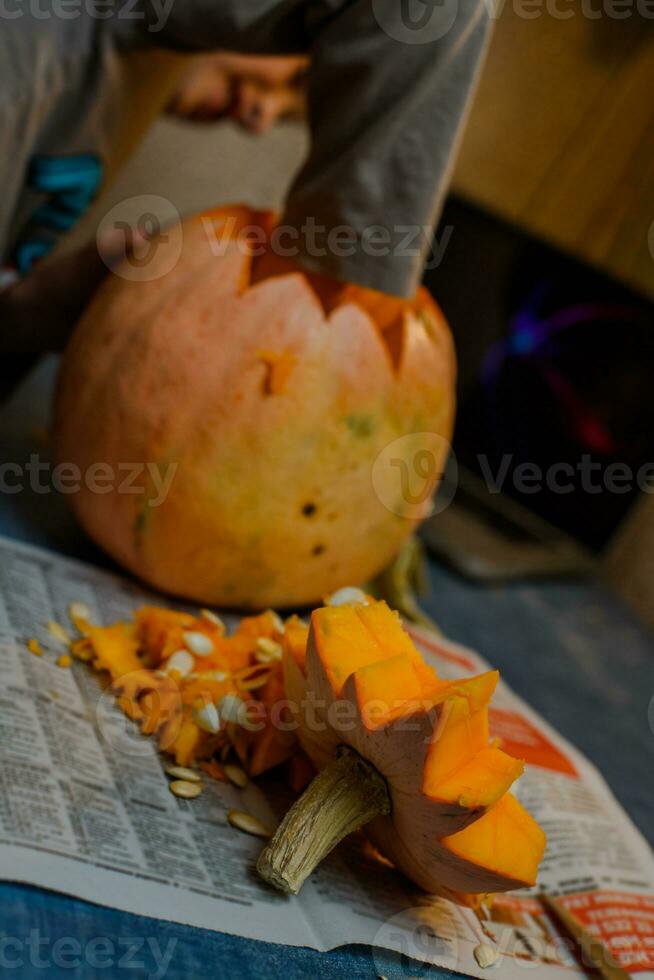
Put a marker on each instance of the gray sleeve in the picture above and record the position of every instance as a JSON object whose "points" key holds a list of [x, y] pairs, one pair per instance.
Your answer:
{"points": [[389, 84]]}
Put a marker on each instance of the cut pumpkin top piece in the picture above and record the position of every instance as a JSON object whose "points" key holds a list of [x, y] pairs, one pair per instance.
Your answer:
{"points": [[461, 765], [409, 751], [365, 655], [350, 637], [506, 841]]}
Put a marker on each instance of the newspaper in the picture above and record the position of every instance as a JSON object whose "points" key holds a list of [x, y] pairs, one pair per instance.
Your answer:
{"points": [[85, 809]]}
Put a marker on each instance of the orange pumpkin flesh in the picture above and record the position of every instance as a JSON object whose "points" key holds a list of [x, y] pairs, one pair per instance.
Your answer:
{"points": [[272, 392], [162, 701], [506, 840], [452, 826]]}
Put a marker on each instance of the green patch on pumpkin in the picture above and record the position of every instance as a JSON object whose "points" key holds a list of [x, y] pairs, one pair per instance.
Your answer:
{"points": [[361, 426]]}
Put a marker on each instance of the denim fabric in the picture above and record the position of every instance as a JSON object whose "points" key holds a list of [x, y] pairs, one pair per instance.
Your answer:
{"points": [[46, 936]]}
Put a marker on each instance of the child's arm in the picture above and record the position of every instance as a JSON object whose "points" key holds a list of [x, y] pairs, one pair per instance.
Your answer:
{"points": [[387, 98]]}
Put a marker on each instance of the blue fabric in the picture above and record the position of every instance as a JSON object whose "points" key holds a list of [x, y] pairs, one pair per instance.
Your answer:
{"points": [[567, 647], [135, 946]]}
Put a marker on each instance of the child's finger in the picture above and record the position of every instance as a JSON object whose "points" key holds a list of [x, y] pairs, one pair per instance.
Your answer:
{"points": [[258, 108]]}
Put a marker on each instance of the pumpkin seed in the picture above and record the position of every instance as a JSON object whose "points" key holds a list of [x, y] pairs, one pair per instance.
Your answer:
{"points": [[207, 718], [212, 618], [185, 789], [181, 661], [213, 675], [348, 595], [64, 660], [485, 955], [267, 651], [248, 824], [231, 709], [278, 622], [225, 752], [265, 658], [198, 643], [265, 645], [236, 775], [35, 647], [181, 772], [79, 610], [59, 633], [298, 621]]}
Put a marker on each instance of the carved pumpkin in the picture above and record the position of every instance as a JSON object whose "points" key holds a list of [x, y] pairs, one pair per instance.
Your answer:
{"points": [[403, 752], [264, 396]]}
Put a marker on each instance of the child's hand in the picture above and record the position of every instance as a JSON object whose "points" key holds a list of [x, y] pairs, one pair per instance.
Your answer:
{"points": [[254, 91]]}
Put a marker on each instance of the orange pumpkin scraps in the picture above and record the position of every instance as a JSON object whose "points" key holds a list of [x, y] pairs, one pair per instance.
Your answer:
{"points": [[197, 704], [404, 754], [397, 749], [159, 631], [115, 649], [214, 769]]}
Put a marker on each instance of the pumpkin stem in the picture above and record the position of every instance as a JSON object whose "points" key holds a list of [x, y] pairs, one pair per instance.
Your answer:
{"points": [[343, 797]]}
